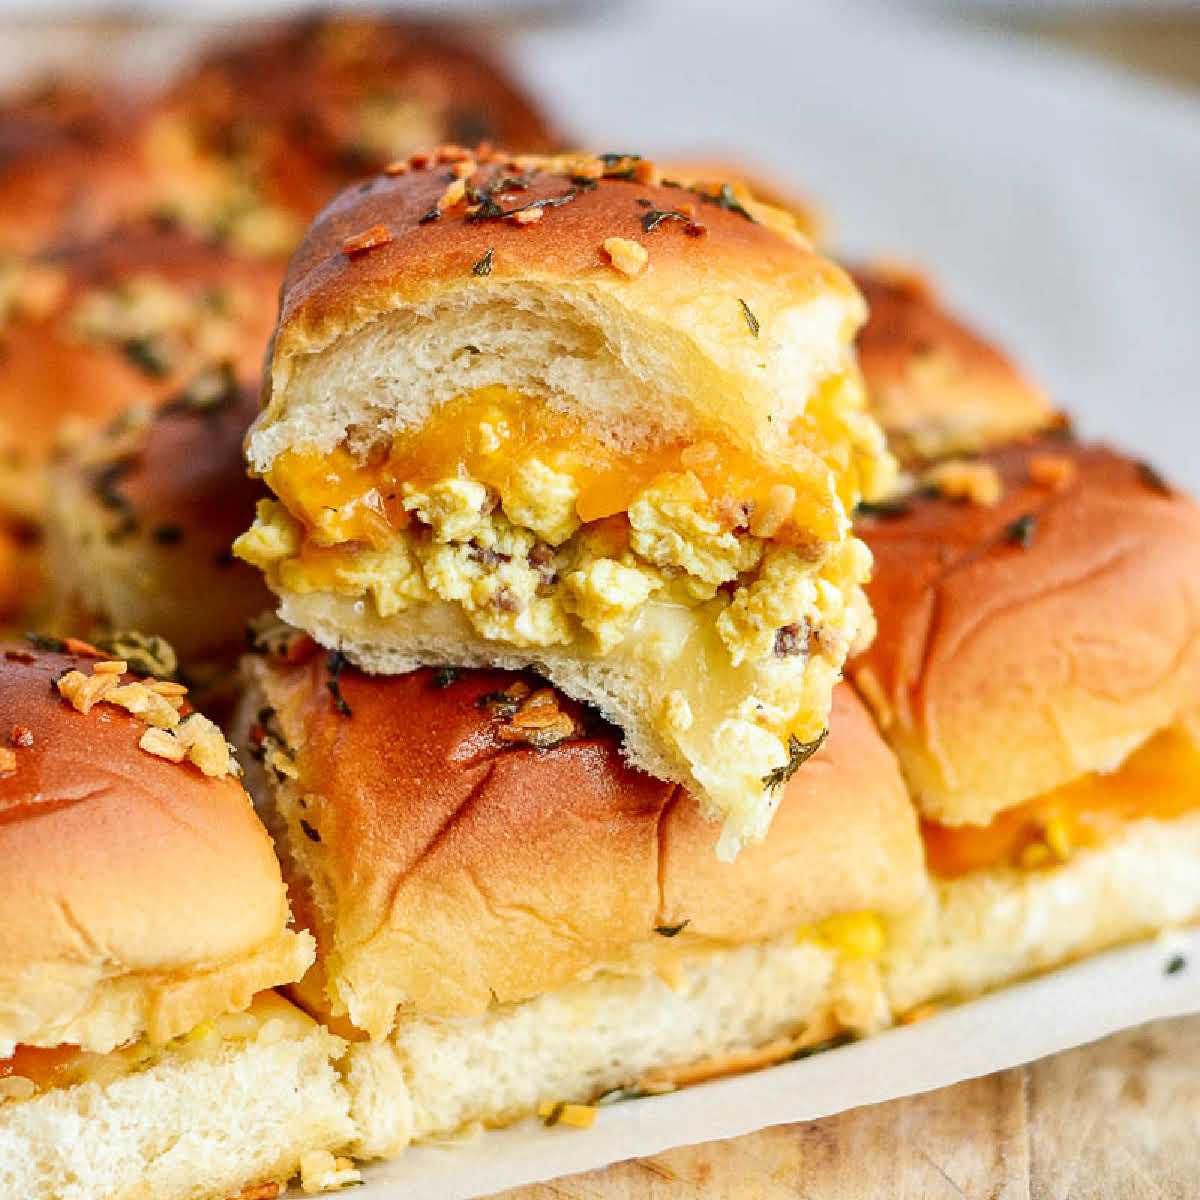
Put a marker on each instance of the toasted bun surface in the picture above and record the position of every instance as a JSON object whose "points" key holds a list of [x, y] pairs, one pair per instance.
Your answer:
{"points": [[141, 520], [451, 869], [1024, 644], [137, 895], [935, 385]]}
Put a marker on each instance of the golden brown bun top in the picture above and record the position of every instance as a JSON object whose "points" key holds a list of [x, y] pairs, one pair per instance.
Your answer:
{"points": [[68, 166], [502, 871], [420, 255], [1023, 644], [133, 319], [935, 385], [314, 104], [114, 860], [763, 185]]}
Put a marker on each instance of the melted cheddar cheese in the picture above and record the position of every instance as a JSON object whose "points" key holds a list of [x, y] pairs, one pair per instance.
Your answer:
{"points": [[1161, 780], [494, 434], [43, 1068]]}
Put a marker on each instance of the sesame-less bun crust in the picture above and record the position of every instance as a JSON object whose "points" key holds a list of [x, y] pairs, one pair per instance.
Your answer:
{"points": [[140, 524], [1012, 658], [447, 869], [935, 385], [137, 896], [379, 338]]}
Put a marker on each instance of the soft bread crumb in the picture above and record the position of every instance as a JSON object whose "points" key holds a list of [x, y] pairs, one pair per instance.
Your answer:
{"points": [[627, 256]]}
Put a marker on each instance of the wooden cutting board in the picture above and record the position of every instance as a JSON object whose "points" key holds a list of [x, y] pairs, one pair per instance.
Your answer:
{"points": [[1119, 1120]]}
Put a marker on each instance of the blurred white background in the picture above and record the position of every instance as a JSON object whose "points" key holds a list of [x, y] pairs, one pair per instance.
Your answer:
{"points": [[1056, 198]]}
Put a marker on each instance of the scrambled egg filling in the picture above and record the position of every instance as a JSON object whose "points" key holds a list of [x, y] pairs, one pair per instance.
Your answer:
{"points": [[33, 1069], [1160, 780], [684, 564]]}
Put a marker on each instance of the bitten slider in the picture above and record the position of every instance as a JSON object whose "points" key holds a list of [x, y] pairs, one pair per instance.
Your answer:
{"points": [[566, 413]]}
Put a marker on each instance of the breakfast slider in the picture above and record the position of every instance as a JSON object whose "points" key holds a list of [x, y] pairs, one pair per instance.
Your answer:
{"points": [[935, 385], [142, 920], [69, 167], [515, 916], [1037, 671], [141, 519], [563, 413], [140, 318], [254, 137]]}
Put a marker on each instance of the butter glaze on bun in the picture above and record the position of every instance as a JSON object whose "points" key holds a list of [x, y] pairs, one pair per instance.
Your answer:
{"points": [[137, 896], [502, 871], [1026, 643]]}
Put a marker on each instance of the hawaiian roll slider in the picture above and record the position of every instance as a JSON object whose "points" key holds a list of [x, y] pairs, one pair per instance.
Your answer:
{"points": [[553, 413], [136, 319], [515, 915], [142, 921], [936, 385], [1037, 671], [254, 137], [141, 520]]}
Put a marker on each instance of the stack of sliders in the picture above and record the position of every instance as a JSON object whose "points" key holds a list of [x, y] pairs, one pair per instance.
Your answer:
{"points": [[569, 488], [517, 888]]}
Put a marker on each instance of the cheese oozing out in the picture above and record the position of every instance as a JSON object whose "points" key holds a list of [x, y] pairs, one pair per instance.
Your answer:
{"points": [[1160, 781], [34, 1069], [732, 586]]}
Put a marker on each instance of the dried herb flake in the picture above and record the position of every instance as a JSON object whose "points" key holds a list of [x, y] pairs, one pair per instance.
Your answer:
{"points": [[335, 664], [484, 265], [670, 931], [798, 754], [751, 319], [1021, 531]]}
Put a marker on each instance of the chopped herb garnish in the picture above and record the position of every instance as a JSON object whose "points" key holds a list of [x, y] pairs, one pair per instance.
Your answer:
{"points": [[1021, 531], [434, 214], [42, 641], [1152, 479], [335, 664], [654, 217], [309, 831], [213, 389], [611, 160], [751, 319], [1175, 965], [148, 355], [670, 931], [489, 210], [443, 677], [555, 1114], [484, 265], [167, 534], [883, 509], [725, 199], [798, 754], [146, 654]]}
